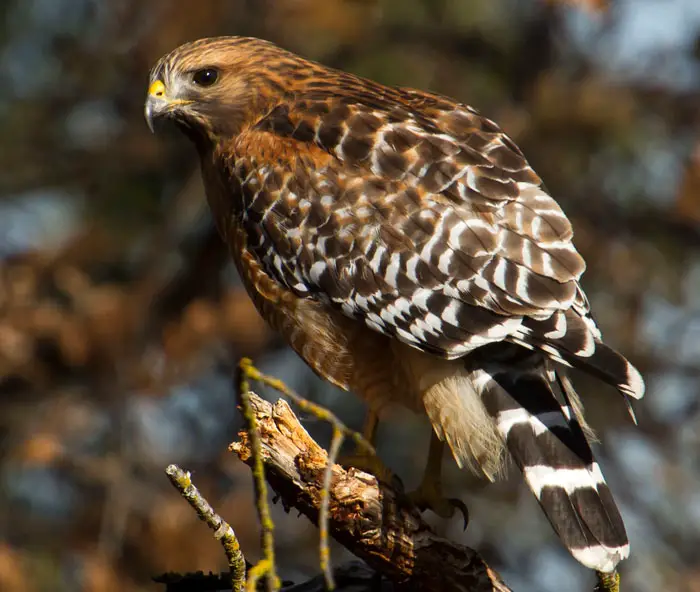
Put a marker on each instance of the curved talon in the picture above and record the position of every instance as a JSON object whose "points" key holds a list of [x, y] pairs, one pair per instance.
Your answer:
{"points": [[426, 498], [462, 507]]}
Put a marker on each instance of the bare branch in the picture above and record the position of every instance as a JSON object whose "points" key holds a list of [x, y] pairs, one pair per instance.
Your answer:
{"points": [[373, 521], [340, 431], [222, 530]]}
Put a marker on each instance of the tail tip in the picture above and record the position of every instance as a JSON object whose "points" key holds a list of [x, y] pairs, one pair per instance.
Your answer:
{"points": [[601, 558]]}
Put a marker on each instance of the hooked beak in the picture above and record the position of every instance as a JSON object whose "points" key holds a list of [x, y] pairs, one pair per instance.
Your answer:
{"points": [[158, 103]]}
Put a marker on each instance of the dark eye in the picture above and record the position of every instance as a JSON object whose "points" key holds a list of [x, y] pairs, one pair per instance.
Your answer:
{"points": [[205, 77]]}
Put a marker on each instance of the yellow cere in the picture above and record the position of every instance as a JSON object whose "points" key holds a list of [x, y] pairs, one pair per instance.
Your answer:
{"points": [[157, 89]]}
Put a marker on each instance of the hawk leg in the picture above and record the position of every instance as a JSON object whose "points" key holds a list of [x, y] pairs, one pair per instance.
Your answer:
{"points": [[428, 495], [364, 461]]}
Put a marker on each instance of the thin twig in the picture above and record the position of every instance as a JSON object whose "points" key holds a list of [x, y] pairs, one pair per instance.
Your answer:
{"points": [[223, 532], [266, 566], [247, 367], [608, 582], [324, 551], [374, 521], [340, 432]]}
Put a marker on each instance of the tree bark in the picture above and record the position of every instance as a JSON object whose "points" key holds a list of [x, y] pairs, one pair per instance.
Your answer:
{"points": [[372, 520]]}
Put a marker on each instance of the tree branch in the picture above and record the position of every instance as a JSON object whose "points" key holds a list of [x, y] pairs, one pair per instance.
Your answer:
{"points": [[373, 521], [222, 530]]}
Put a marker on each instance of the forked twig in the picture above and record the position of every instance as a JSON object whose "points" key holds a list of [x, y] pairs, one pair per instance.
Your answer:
{"points": [[246, 366], [266, 566], [374, 521], [340, 432]]}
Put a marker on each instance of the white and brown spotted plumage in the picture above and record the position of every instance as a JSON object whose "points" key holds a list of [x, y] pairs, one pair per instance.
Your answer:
{"points": [[407, 251]]}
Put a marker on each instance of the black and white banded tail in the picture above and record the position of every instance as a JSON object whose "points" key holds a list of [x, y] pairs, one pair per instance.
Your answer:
{"points": [[544, 436]]}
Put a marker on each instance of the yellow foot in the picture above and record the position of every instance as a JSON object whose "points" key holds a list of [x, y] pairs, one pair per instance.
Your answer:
{"points": [[429, 497]]}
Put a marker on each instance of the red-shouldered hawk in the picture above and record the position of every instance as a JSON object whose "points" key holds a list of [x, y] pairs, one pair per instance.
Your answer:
{"points": [[404, 247]]}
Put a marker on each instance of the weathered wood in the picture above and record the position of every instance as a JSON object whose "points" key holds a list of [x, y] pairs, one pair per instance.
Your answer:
{"points": [[372, 520]]}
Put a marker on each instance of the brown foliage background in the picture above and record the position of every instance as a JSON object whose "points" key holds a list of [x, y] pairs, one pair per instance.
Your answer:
{"points": [[121, 317]]}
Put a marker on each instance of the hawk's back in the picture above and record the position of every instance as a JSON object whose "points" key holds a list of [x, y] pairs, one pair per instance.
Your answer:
{"points": [[405, 248]]}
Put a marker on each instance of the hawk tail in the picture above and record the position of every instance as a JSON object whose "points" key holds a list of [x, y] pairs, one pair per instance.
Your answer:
{"points": [[549, 445]]}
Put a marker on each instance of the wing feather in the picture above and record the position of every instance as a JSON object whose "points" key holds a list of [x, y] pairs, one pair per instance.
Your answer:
{"points": [[419, 217]]}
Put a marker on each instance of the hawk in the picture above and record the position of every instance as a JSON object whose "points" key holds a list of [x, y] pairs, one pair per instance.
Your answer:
{"points": [[407, 251]]}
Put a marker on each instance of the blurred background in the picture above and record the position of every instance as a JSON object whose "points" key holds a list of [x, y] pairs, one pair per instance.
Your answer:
{"points": [[121, 315]]}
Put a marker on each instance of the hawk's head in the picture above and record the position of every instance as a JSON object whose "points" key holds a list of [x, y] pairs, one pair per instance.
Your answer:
{"points": [[212, 87]]}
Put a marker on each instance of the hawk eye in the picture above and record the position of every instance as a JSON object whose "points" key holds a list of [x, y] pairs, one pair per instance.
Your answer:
{"points": [[205, 77]]}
